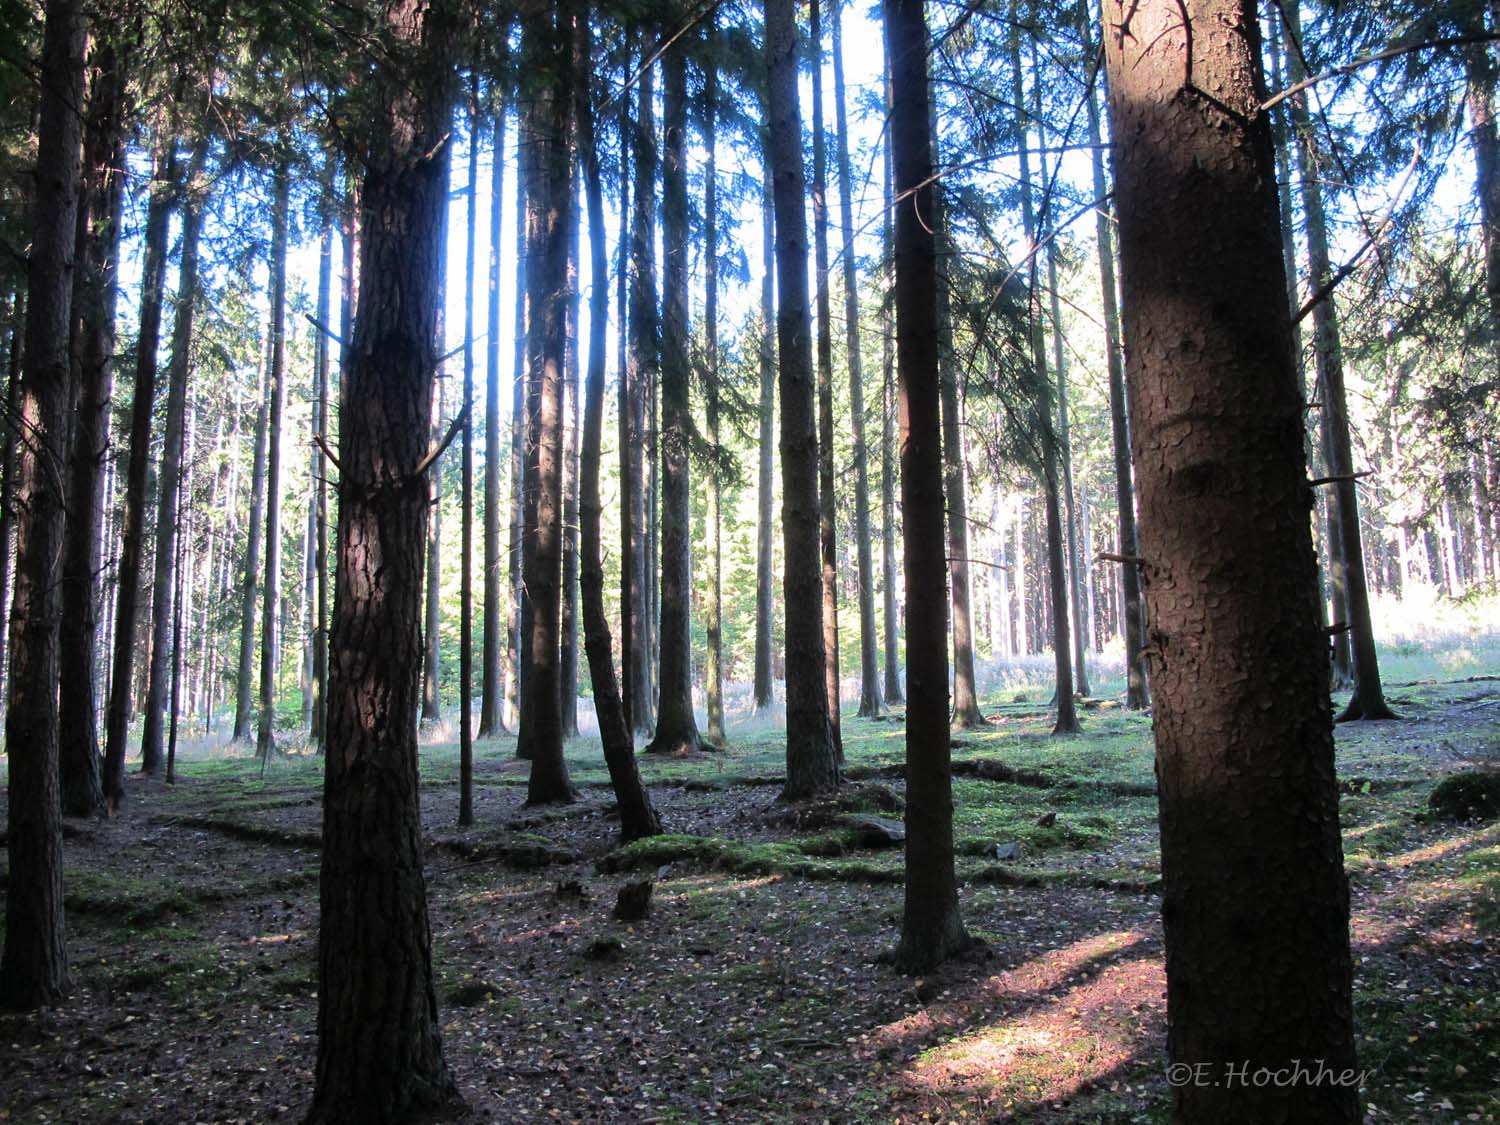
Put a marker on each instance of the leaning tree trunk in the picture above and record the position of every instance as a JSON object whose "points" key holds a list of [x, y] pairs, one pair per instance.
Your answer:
{"points": [[270, 643], [550, 217], [34, 967], [931, 928], [812, 760], [1244, 745], [95, 290], [379, 1045], [764, 520], [637, 816], [869, 662], [893, 692], [169, 476], [676, 725], [491, 696], [827, 497], [142, 408]]}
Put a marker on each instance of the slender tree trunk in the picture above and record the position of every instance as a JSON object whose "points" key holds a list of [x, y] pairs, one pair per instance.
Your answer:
{"points": [[765, 518], [379, 1045], [888, 484], [642, 360], [432, 662], [676, 725], [9, 449], [550, 217], [520, 615], [491, 699], [321, 374], [250, 588], [94, 299], [132, 535], [931, 928], [1234, 620], [1479, 72], [827, 497], [270, 643], [869, 661], [637, 816], [622, 397], [169, 478], [1368, 700], [713, 671], [466, 536], [568, 641], [812, 760], [34, 967]]}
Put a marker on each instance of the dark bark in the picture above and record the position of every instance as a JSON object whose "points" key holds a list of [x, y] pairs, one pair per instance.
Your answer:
{"points": [[827, 498], [321, 374], [764, 524], [379, 1046], [519, 642], [622, 397], [34, 966], [567, 653], [466, 533], [1137, 690], [133, 529], [550, 217], [641, 362], [1479, 73], [9, 450], [713, 668], [1255, 900], [637, 816], [169, 475], [676, 725], [931, 928], [270, 642], [94, 301], [893, 692], [869, 671], [492, 693], [812, 762]]}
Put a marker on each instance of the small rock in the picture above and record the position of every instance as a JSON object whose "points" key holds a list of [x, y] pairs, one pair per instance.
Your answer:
{"points": [[876, 831], [634, 901], [1011, 850]]}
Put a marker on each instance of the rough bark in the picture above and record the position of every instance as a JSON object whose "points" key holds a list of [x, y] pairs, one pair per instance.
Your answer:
{"points": [[1255, 901], [812, 761], [931, 928], [379, 1046], [34, 966], [492, 692], [637, 816], [676, 725], [869, 670]]}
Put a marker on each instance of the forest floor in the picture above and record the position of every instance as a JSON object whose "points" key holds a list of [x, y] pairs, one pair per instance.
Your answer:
{"points": [[752, 991]]}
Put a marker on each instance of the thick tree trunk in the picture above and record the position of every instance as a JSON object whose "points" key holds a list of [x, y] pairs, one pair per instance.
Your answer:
{"points": [[169, 476], [869, 662], [888, 484], [812, 761], [94, 300], [270, 641], [676, 726], [713, 670], [1368, 700], [466, 534], [492, 693], [250, 586], [641, 361], [379, 1047], [637, 816], [827, 497], [550, 217], [765, 517], [34, 966], [931, 928], [1255, 900], [133, 530]]}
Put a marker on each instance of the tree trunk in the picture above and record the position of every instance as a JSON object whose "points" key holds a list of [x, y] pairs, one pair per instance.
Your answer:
{"points": [[321, 373], [270, 643], [432, 663], [1255, 900], [1137, 690], [379, 1047], [550, 216], [132, 534], [95, 296], [466, 535], [765, 517], [642, 360], [1479, 72], [713, 672], [9, 449], [169, 477], [491, 696], [519, 642], [869, 662], [931, 929], [827, 497], [34, 967], [250, 588], [676, 725], [1368, 700], [637, 816], [622, 396], [568, 641], [888, 485], [812, 761]]}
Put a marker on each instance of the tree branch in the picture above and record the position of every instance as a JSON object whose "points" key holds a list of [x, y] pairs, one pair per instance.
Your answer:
{"points": [[1379, 56]]}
